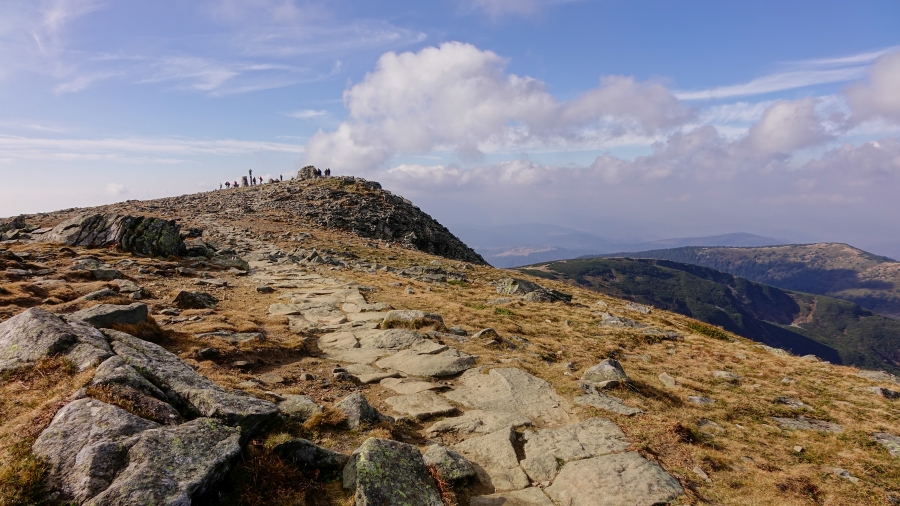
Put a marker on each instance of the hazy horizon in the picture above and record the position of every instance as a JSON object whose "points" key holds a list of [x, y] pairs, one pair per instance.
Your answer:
{"points": [[633, 121]]}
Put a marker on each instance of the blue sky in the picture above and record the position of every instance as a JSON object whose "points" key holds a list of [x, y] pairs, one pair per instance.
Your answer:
{"points": [[633, 120]]}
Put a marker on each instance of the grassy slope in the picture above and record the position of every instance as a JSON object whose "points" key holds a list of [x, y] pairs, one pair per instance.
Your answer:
{"points": [[836, 270], [834, 330]]}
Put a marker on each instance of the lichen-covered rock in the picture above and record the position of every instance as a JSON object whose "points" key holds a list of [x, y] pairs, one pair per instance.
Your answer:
{"points": [[115, 370], [299, 407], [194, 300], [516, 286], [187, 390], [107, 315], [34, 334], [136, 234], [608, 372], [359, 411], [449, 465], [385, 472], [86, 445], [173, 464], [308, 456]]}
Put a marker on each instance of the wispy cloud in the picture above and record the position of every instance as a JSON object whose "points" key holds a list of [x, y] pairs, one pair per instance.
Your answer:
{"points": [[796, 74], [499, 8], [307, 114]]}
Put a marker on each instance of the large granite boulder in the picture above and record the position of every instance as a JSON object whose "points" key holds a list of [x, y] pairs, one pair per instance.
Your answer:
{"points": [[107, 315], [385, 472], [34, 334], [136, 234], [190, 392]]}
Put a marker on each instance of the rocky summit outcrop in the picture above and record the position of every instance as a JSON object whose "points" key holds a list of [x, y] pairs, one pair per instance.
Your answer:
{"points": [[135, 234]]}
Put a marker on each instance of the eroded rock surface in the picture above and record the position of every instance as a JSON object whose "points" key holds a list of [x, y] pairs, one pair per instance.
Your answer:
{"points": [[495, 460], [35, 333], [511, 390], [544, 449]]}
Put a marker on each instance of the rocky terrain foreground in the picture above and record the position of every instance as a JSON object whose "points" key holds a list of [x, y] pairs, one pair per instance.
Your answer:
{"points": [[260, 346]]}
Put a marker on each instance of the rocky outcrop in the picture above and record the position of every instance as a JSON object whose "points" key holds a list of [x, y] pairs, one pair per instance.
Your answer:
{"points": [[387, 472], [107, 315], [136, 234], [531, 292], [34, 334]]}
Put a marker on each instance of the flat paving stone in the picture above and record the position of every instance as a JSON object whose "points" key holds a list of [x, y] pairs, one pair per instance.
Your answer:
{"points": [[367, 374], [495, 461], [613, 480], [416, 363], [408, 386], [545, 448], [511, 390], [478, 422], [420, 406], [526, 497]]}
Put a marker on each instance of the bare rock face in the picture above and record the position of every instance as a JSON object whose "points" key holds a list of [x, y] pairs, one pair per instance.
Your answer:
{"points": [[194, 300], [388, 472], [449, 465], [135, 234], [544, 449], [34, 334], [511, 390], [106, 315]]}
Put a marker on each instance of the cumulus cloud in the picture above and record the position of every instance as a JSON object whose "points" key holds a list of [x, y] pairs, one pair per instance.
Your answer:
{"points": [[116, 189], [880, 96], [787, 126], [458, 97]]}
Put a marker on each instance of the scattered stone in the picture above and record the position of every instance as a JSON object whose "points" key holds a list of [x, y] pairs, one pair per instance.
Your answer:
{"points": [[885, 392], [387, 472], [774, 351], [459, 331], [299, 407], [170, 311], [600, 400], [495, 456], [788, 381], [701, 474], [478, 422], [235, 337], [640, 308], [402, 318], [880, 376], [726, 376], [804, 423], [612, 480], [359, 411], [366, 374], [527, 497], [515, 286], [709, 425], [107, 315], [667, 380], [106, 274], [420, 406], [307, 455], [619, 322], [209, 354], [607, 373], [242, 364], [265, 289], [792, 403], [799, 449], [841, 473], [449, 465], [700, 400], [408, 386], [416, 363], [510, 390], [219, 283], [134, 234], [194, 300], [545, 449], [486, 335], [99, 294], [890, 442], [270, 379]]}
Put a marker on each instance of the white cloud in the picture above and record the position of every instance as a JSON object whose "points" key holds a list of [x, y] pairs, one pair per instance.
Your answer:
{"points": [[787, 126], [307, 114], [116, 189], [499, 8], [776, 82], [456, 97], [880, 96]]}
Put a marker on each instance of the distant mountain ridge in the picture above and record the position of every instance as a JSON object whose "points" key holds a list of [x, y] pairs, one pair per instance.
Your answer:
{"points": [[527, 243], [831, 329], [834, 269]]}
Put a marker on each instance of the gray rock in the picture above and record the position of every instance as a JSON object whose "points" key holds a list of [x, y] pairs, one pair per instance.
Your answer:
{"points": [[416, 363], [890, 442], [421, 405], [34, 334], [265, 289], [194, 300], [307, 455], [608, 372], [619, 322], [174, 464], [85, 446], [107, 315], [792, 403], [190, 392], [385, 472], [478, 422], [667, 380], [700, 400], [841, 473], [299, 407], [600, 400], [135, 234], [99, 294], [640, 308], [408, 386], [115, 370], [544, 449], [516, 286], [495, 460], [127, 286], [459, 331], [107, 274], [510, 390], [235, 337], [526, 497], [804, 423], [359, 411], [887, 393], [485, 334], [613, 480], [449, 465], [880, 376], [411, 317], [366, 374], [726, 376]]}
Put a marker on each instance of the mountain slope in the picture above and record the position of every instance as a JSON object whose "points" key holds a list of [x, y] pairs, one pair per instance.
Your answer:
{"points": [[832, 329], [836, 270]]}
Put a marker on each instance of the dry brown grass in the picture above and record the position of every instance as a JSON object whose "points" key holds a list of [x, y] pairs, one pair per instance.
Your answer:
{"points": [[28, 400]]}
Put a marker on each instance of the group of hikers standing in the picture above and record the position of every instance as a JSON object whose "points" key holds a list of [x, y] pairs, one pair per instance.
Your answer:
{"points": [[249, 180]]}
